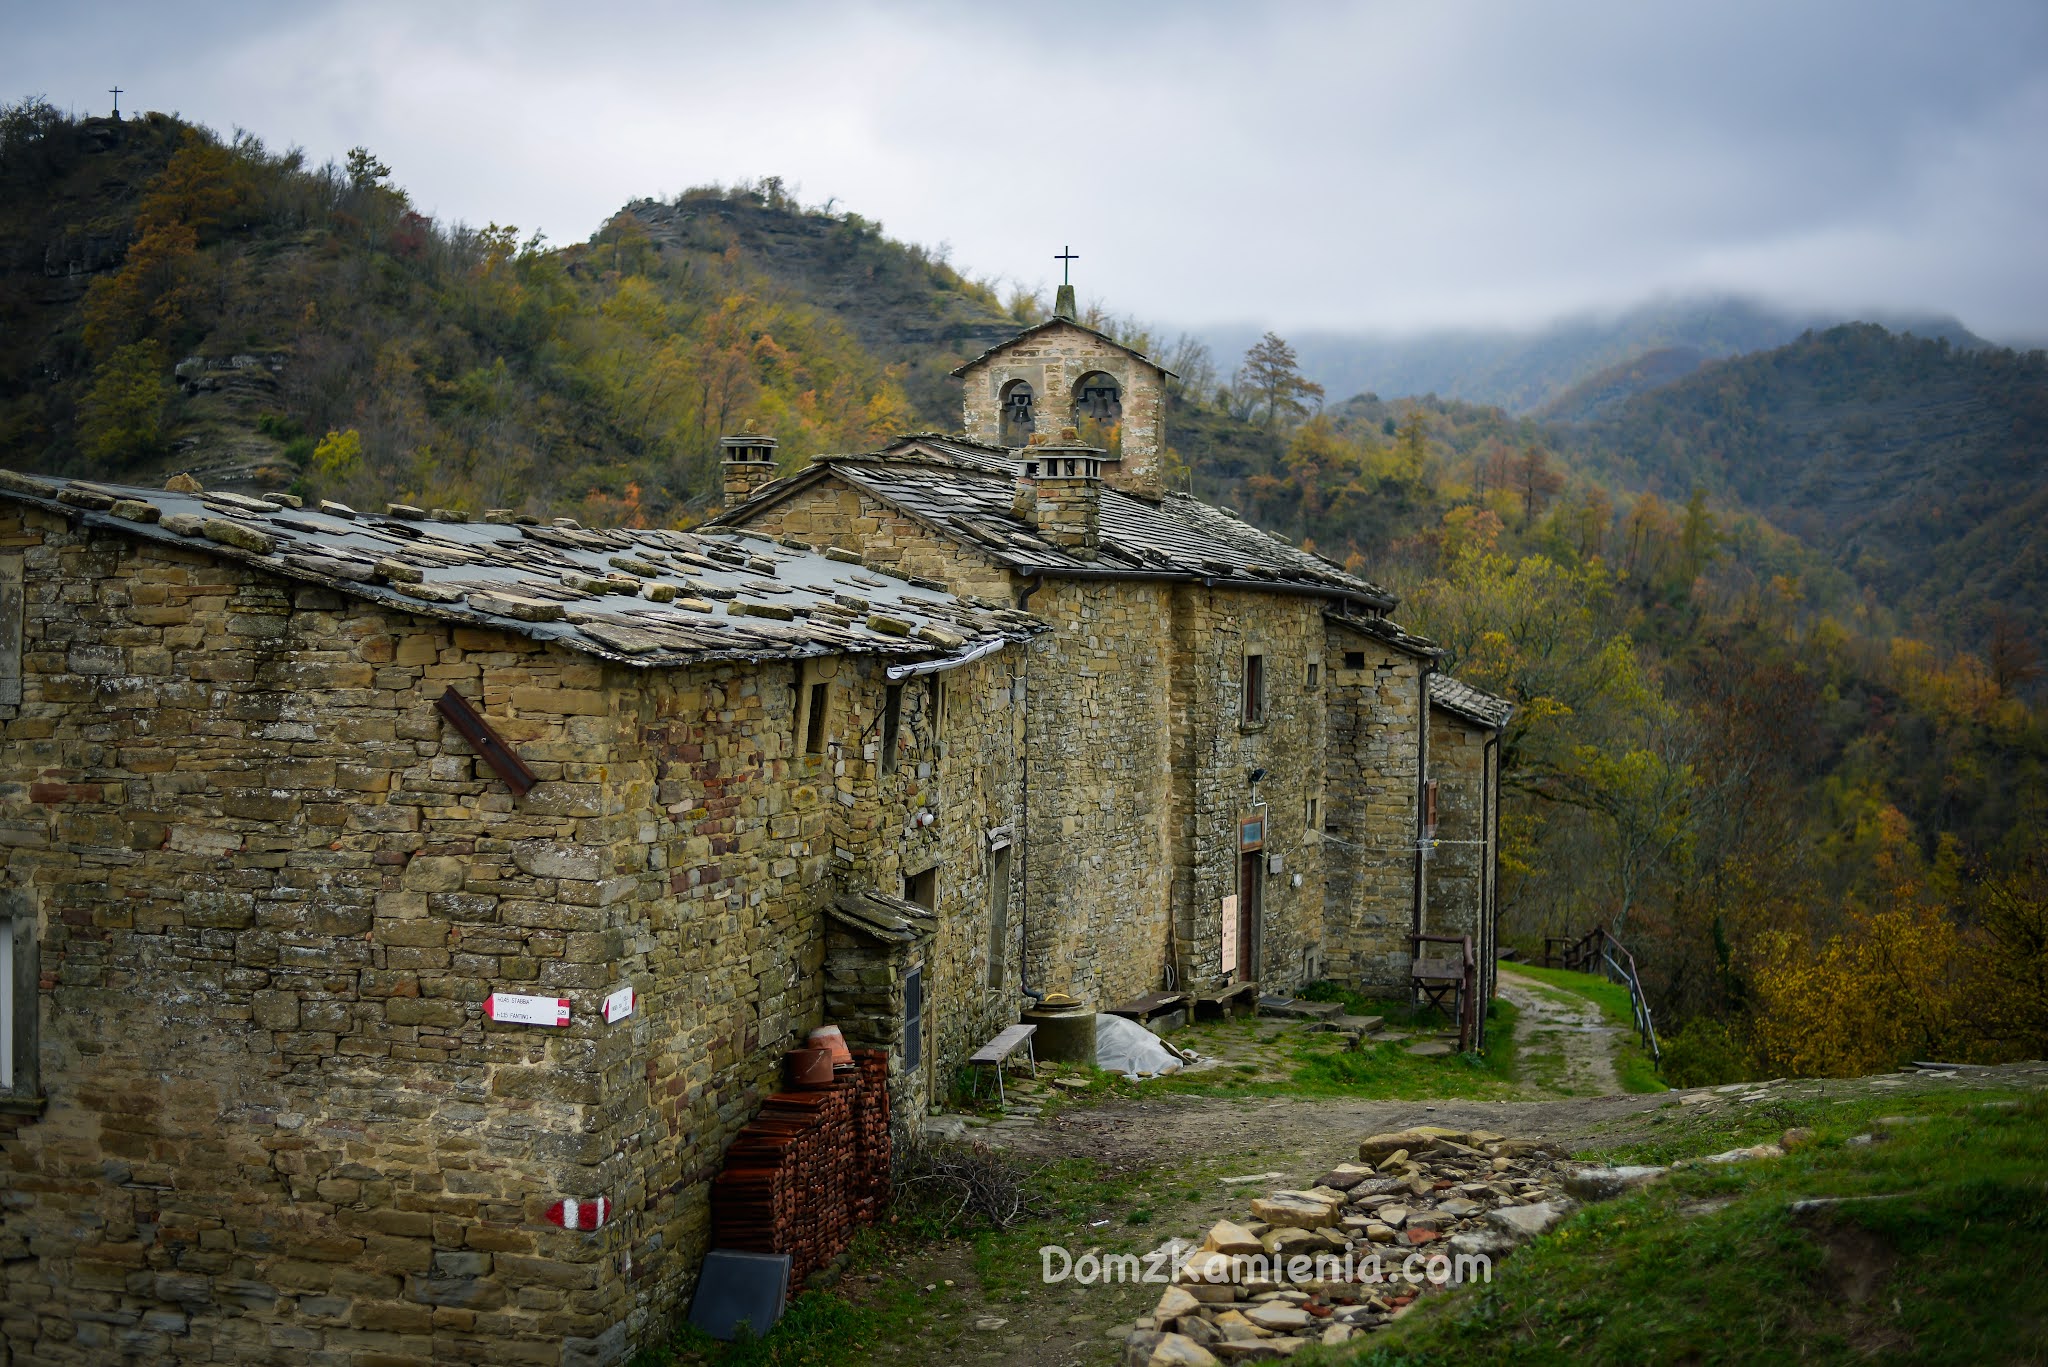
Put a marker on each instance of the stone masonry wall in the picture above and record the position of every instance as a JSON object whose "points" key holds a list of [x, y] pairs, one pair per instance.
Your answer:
{"points": [[1216, 751], [1369, 810], [1461, 866], [1053, 362], [834, 513], [1098, 750], [273, 890], [967, 772]]}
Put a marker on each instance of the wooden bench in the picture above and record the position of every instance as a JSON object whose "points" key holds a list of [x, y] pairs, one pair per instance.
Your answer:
{"points": [[1144, 1010], [998, 1050], [1237, 999]]}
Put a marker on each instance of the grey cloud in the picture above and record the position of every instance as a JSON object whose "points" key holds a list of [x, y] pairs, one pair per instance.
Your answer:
{"points": [[1308, 165]]}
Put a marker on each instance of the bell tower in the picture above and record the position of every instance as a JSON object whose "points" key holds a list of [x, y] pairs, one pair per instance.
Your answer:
{"points": [[1062, 374]]}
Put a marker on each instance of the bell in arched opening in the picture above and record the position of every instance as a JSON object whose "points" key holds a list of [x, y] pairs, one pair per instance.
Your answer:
{"points": [[1018, 420]]}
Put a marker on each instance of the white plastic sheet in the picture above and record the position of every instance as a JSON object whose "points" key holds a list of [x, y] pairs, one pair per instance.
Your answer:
{"points": [[1124, 1046]]}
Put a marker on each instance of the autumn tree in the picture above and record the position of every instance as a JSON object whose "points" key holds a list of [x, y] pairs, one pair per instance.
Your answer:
{"points": [[364, 171], [1535, 480], [122, 417], [1271, 380]]}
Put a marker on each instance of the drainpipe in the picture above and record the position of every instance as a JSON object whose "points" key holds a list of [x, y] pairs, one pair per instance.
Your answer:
{"points": [[1421, 795], [1032, 586]]}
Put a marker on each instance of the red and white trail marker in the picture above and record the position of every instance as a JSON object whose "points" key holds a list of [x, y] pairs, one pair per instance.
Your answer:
{"points": [[510, 1006], [587, 1213]]}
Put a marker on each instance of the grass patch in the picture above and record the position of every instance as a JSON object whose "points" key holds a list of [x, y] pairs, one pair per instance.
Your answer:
{"points": [[1081, 1203], [1713, 1265], [1317, 1064]]}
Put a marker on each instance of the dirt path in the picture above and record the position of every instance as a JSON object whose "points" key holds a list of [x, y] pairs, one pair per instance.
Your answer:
{"points": [[1566, 1045]]}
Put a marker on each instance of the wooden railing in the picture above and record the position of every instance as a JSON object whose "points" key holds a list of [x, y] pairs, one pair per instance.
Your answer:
{"points": [[1599, 952]]}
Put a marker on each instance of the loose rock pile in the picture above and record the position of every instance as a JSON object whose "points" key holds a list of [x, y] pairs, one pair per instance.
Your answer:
{"points": [[1336, 1260]]}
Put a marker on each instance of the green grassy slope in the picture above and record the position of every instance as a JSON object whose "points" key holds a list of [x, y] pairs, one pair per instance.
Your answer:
{"points": [[1930, 1253]]}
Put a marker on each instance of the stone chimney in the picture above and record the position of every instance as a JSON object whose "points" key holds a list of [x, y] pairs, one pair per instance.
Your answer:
{"points": [[1059, 492], [749, 463]]}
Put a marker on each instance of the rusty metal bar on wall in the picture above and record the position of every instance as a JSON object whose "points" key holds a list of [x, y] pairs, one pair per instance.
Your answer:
{"points": [[485, 742]]}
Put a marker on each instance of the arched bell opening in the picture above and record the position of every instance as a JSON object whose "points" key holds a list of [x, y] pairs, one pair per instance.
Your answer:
{"points": [[1018, 419]]}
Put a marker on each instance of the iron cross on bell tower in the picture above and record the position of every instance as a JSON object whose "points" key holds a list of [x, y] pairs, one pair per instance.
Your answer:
{"points": [[1063, 304]]}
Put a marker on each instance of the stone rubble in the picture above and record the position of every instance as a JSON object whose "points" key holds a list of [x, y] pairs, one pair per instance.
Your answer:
{"points": [[1412, 1194]]}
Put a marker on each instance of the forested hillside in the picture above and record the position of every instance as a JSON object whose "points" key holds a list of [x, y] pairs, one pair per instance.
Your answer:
{"points": [[169, 301], [1919, 468]]}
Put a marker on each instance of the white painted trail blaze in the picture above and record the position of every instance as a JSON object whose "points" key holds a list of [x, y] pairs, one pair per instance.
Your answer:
{"points": [[519, 1010]]}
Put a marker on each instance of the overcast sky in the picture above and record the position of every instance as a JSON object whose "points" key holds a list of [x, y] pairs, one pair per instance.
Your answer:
{"points": [[1361, 166]]}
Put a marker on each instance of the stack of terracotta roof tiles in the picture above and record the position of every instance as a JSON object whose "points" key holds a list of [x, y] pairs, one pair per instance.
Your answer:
{"points": [[809, 1169]]}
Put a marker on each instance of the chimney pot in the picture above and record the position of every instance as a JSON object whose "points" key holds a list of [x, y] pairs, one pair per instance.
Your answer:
{"points": [[1059, 492], [748, 464]]}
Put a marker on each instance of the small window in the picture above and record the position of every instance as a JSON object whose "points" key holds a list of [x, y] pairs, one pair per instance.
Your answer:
{"points": [[1429, 809], [815, 732], [999, 918], [1315, 811], [938, 707], [922, 888], [1254, 689], [1315, 672], [913, 1019], [892, 725], [1354, 659]]}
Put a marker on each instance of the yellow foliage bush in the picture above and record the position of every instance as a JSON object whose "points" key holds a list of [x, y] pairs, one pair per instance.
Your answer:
{"points": [[1880, 992]]}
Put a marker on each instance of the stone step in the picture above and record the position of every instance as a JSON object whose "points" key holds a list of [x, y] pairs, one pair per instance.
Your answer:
{"points": [[1297, 1009]]}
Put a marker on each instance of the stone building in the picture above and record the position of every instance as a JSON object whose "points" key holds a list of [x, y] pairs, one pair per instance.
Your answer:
{"points": [[372, 885], [1226, 738], [1463, 874], [278, 929]]}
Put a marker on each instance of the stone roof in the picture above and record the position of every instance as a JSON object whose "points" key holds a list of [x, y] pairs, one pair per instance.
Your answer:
{"points": [[1037, 328], [638, 596], [967, 498], [879, 916], [1473, 704], [1390, 632]]}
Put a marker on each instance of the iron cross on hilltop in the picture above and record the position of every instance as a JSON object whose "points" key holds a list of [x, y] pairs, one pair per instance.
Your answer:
{"points": [[116, 93], [1065, 257]]}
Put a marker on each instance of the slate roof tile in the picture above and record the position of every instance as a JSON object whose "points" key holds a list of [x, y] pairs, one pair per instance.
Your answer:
{"points": [[968, 497], [1473, 704], [556, 583]]}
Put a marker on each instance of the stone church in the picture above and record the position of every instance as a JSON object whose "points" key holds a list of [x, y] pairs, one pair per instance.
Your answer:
{"points": [[1238, 768], [375, 884]]}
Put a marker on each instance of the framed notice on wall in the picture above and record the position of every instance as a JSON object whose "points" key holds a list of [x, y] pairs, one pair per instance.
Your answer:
{"points": [[1229, 952]]}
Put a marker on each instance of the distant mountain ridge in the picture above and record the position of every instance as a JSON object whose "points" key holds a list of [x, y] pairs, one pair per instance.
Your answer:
{"points": [[1524, 371], [1919, 467]]}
